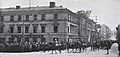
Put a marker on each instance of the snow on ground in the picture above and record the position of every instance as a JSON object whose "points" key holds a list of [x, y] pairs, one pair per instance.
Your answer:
{"points": [[89, 53], [114, 49]]}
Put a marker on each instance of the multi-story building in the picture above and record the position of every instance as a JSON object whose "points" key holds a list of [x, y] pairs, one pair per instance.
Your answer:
{"points": [[82, 25], [85, 25], [92, 30], [105, 32], [38, 24], [88, 29]]}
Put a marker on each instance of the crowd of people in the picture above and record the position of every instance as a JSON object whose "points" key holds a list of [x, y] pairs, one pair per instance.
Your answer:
{"points": [[54, 46]]}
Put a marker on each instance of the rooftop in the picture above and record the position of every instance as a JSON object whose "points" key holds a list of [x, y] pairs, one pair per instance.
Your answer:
{"points": [[31, 8]]}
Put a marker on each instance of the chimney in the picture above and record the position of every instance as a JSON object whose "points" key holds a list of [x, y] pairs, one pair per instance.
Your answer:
{"points": [[17, 7], [61, 6], [52, 4]]}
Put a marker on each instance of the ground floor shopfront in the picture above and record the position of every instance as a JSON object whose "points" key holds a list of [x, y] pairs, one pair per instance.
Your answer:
{"points": [[50, 37]]}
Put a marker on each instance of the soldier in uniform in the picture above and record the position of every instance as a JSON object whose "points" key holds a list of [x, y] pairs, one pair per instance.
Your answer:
{"points": [[118, 37], [108, 44]]}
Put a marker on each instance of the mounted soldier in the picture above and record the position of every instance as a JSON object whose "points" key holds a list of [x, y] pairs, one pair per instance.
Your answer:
{"points": [[118, 37], [108, 44]]}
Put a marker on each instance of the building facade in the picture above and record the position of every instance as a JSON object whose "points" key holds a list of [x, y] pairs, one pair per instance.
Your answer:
{"points": [[88, 29], [38, 24], [105, 32]]}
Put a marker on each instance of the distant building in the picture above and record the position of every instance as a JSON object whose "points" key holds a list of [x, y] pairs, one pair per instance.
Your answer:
{"points": [[105, 32], [38, 24], [87, 27]]}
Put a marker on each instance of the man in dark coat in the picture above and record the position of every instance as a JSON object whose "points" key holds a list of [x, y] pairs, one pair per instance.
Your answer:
{"points": [[118, 37]]}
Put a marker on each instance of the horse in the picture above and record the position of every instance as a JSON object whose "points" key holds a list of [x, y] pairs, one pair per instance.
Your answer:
{"points": [[108, 44], [75, 46]]}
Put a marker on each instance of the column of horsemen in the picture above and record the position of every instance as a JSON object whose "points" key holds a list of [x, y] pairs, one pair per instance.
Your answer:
{"points": [[52, 46]]}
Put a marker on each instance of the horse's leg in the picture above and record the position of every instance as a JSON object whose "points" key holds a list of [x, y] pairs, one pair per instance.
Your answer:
{"points": [[107, 50], [56, 51], [91, 48], [59, 50], [72, 49], [98, 48], [76, 49], [68, 49], [52, 52], [83, 49], [79, 49]]}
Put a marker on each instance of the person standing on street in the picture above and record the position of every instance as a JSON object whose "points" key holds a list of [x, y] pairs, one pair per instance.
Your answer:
{"points": [[118, 37]]}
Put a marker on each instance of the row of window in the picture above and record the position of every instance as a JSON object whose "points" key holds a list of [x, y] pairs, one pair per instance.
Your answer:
{"points": [[19, 29], [43, 16], [72, 18]]}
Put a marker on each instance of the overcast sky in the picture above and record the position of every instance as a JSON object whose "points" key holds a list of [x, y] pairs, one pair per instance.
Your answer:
{"points": [[107, 11]]}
